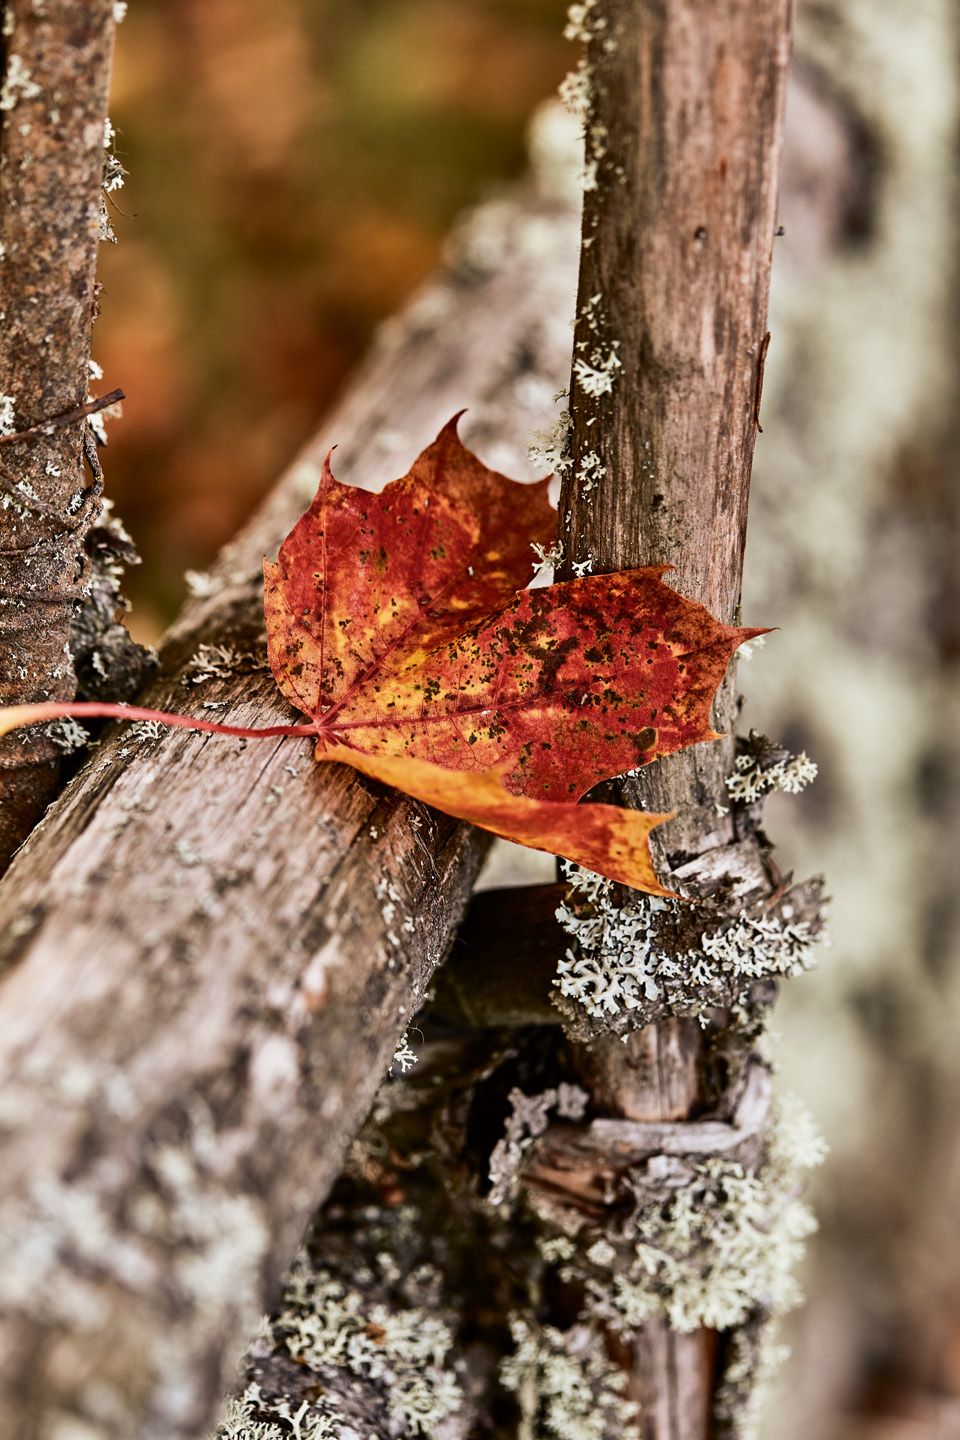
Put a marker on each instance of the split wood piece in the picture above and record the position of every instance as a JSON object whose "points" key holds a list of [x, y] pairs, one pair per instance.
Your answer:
{"points": [[684, 134], [211, 947], [54, 109], [583, 1165]]}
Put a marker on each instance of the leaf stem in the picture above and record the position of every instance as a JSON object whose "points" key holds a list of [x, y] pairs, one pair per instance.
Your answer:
{"points": [[14, 716]]}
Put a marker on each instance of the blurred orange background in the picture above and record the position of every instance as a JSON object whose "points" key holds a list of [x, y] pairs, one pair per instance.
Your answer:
{"points": [[293, 171]]}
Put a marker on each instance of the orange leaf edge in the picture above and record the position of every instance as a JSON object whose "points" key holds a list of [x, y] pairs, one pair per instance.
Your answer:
{"points": [[604, 838]]}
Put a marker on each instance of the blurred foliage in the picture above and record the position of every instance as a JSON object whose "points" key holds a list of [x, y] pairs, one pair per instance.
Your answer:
{"points": [[293, 170]]}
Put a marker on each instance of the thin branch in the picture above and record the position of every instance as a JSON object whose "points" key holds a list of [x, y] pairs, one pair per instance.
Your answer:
{"points": [[47, 427]]}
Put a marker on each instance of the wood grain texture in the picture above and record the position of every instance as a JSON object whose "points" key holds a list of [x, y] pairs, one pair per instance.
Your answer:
{"points": [[684, 134], [211, 947], [686, 130], [54, 104]]}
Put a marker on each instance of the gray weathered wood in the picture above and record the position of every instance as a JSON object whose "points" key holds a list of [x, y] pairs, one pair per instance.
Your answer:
{"points": [[210, 947], [684, 137], [689, 114]]}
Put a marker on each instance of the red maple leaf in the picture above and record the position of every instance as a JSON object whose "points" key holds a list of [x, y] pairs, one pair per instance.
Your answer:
{"points": [[398, 624]]}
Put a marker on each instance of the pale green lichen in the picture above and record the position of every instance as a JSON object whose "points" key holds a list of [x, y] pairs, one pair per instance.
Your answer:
{"points": [[566, 1387], [753, 779], [324, 1323], [244, 1419], [618, 963], [724, 1244], [67, 735], [715, 1244], [756, 1357], [405, 1057]]}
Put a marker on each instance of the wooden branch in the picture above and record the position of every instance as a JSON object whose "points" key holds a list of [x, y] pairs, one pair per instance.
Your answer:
{"points": [[54, 107], [683, 137], [687, 129], [583, 1165], [212, 947], [504, 959]]}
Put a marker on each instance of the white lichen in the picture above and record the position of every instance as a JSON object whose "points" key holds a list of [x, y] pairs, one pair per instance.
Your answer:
{"points": [[754, 779], [405, 1057], [528, 1118], [585, 22], [555, 147], [749, 648], [596, 361], [112, 179], [145, 730], [243, 1419], [753, 947], [200, 584], [710, 1243], [67, 735], [576, 90], [17, 84], [98, 420], [597, 369], [218, 662], [566, 1387], [549, 450], [323, 1323], [618, 961], [612, 965], [547, 560], [590, 470]]}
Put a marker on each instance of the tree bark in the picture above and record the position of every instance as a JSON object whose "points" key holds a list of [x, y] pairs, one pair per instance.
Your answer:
{"points": [[54, 104], [211, 949], [684, 133]]}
